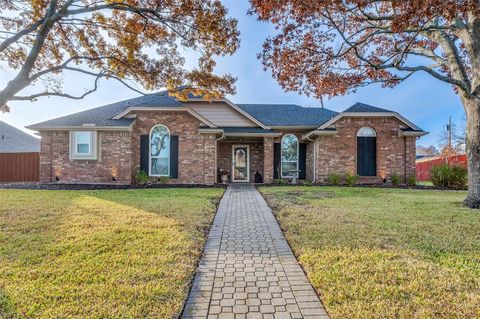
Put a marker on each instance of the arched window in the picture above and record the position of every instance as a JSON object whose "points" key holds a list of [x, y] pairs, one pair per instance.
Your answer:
{"points": [[289, 155], [366, 152], [159, 151]]}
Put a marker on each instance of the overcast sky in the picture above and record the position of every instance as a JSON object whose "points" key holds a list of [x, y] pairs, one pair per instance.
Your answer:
{"points": [[425, 101]]}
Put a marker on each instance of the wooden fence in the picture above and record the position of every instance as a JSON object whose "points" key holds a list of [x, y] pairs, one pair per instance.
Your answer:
{"points": [[19, 167], [424, 166]]}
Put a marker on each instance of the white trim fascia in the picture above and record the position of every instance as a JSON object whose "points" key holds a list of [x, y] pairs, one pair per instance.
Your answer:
{"points": [[164, 108], [81, 128], [369, 114], [209, 130], [412, 134], [235, 107], [320, 133], [248, 163], [254, 134]]}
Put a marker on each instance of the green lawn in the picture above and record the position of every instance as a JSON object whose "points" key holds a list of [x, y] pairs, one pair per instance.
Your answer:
{"points": [[100, 254], [384, 253]]}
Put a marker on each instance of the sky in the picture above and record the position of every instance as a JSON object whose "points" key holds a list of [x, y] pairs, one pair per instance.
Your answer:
{"points": [[425, 101]]}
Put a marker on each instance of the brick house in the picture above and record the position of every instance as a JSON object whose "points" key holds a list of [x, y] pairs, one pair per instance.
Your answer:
{"points": [[190, 142]]}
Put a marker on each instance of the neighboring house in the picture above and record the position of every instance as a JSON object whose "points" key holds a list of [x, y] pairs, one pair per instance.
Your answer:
{"points": [[19, 155], [189, 142], [13, 140]]}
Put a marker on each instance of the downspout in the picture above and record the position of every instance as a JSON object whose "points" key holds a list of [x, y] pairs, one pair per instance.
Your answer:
{"points": [[314, 158], [216, 146]]}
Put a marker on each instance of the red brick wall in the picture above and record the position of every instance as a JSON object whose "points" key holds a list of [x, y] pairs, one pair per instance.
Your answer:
{"points": [[337, 154], [256, 156], [196, 157], [268, 160], [114, 159]]}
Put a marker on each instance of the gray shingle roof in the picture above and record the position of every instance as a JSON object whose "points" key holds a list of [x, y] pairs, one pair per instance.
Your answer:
{"points": [[365, 108], [13, 140], [102, 116], [288, 114]]}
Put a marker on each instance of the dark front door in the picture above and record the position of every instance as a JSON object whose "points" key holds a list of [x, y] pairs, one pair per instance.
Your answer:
{"points": [[367, 156]]}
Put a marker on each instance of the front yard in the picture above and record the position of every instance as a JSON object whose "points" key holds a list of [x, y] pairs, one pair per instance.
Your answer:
{"points": [[100, 254], [384, 253]]}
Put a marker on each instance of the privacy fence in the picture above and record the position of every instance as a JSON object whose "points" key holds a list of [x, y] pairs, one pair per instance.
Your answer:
{"points": [[19, 167], [424, 166]]}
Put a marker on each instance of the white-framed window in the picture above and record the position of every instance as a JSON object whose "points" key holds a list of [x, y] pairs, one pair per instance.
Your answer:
{"points": [[289, 150], [159, 159], [366, 132], [83, 145]]}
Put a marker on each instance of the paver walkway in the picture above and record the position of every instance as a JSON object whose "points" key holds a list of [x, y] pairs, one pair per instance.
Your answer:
{"points": [[248, 270]]}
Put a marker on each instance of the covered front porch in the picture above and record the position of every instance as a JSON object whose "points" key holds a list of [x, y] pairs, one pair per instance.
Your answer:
{"points": [[254, 155]]}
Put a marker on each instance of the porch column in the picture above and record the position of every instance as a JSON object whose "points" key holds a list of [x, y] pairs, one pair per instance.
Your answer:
{"points": [[268, 160]]}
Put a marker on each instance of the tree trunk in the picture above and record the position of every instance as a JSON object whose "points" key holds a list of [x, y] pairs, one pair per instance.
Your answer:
{"points": [[472, 109]]}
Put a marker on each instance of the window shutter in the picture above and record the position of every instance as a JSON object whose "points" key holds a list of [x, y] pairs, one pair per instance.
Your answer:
{"points": [[302, 160], [144, 148], [277, 157], [174, 156]]}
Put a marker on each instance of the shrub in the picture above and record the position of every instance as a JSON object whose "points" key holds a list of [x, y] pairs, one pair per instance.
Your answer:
{"points": [[350, 179], [412, 180], [280, 181], [334, 179], [307, 182], [142, 177], [395, 179], [449, 176]]}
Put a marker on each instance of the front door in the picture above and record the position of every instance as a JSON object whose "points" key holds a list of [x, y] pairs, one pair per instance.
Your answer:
{"points": [[240, 163]]}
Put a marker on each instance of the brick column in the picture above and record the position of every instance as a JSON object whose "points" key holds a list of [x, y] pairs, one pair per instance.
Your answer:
{"points": [[268, 160], [410, 157], [209, 169]]}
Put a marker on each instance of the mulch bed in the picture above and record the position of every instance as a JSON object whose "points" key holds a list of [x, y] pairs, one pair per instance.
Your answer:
{"points": [[71, 186]]}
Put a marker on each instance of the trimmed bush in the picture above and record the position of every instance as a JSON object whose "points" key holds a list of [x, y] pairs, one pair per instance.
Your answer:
{"points": [[350, 179], [142, 177], [280, 181], [334, 179], [449, 176], [395, 179], [412, 180]]}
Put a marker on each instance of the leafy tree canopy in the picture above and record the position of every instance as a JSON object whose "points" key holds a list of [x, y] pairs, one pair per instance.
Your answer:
{"points": [[126, 40]]}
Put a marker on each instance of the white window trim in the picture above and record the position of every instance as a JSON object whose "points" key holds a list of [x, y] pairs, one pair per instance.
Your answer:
{"points": [[281, 156], [366, 127], [92, 155], [150, 152]]}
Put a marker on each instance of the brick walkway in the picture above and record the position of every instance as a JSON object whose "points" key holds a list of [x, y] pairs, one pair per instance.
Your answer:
{"points": [[248, 269]]}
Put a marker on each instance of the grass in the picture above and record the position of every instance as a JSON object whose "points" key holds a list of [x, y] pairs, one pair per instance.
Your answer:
{"points": [[100, 254], [384, 253]]}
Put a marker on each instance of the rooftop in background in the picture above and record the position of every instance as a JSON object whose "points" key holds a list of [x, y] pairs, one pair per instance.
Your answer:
{"points": [[13, 140]]}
